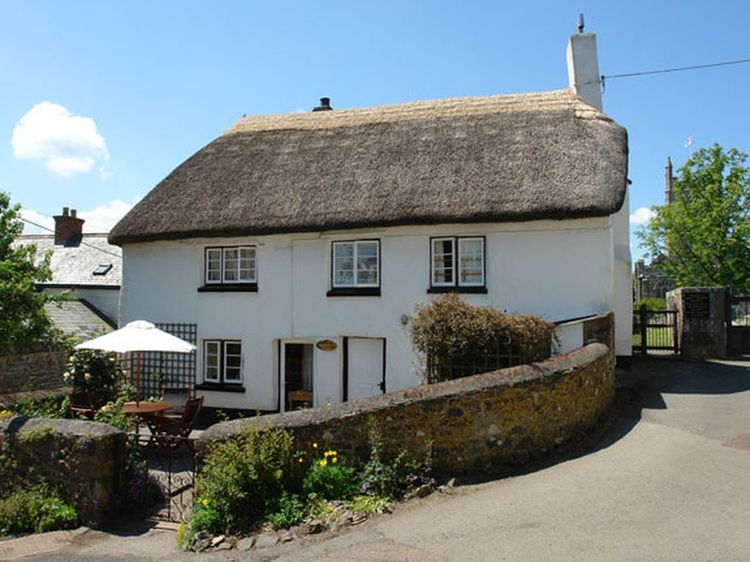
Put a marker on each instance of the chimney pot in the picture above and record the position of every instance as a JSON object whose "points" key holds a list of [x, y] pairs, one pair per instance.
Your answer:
{"points": [[65, 211], [73, 213], [325, 105]]}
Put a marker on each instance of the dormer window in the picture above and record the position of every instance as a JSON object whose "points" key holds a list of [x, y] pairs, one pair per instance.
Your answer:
{"points": [[103, 269]]}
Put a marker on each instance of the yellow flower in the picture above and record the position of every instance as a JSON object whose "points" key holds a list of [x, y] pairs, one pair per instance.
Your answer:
{"points": [[334, 460], [315, 445], [204, 502], [323, 462]]}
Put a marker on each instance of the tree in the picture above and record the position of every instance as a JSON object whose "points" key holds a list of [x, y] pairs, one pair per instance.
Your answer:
{"points": [[23, 321], [702, 238]]}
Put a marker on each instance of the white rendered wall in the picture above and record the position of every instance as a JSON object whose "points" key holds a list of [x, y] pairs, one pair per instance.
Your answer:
{"points": [[557, 270], [622, 288]]}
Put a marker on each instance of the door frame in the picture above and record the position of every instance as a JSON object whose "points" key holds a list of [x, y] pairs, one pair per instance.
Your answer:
{"points": [[345, 359], [281, 380]]}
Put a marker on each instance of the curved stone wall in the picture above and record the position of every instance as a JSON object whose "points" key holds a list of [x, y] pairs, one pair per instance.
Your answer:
{"points": [[472, 424]]}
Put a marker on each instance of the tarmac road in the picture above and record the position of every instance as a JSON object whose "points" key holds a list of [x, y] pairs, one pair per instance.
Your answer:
{"points": [[675, 485], [672, 482]]}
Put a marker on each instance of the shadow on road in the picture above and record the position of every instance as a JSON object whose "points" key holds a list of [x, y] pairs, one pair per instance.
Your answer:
{"points": [[656, 376], [646, 382]]}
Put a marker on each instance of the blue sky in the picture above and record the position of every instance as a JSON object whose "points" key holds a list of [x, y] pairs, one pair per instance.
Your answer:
{"points": [[134, 88]]}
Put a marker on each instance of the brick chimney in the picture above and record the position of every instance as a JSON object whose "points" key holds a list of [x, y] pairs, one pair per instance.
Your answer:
{"points": [[68, 228], [583, 66]]}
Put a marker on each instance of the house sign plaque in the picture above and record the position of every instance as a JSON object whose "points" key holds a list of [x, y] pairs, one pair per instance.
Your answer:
{"points": [[697, 305], [326, 345]]}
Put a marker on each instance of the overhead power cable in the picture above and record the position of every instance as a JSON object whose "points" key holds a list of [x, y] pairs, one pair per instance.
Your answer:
{"points": [[604, 77], [675, 69]]}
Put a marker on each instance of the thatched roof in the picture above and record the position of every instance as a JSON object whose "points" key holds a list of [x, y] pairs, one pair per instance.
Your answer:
{"points": [[483, 159]]}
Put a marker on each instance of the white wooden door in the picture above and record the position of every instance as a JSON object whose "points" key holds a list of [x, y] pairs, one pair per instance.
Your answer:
{"points": [[365, 367]]}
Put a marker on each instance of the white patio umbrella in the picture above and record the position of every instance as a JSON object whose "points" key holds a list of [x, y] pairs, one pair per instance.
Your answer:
{"points": [[136, 337]]}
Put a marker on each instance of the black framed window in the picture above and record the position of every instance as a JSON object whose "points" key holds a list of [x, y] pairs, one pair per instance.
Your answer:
{"points": [[222, 362], [230, 268], [355, 268], [457, 263]]}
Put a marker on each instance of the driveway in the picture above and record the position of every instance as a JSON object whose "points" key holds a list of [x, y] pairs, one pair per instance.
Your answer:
{"points": [[670, 482]]}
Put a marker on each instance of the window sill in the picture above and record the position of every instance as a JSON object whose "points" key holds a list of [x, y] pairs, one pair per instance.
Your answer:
{"points": [[354, 292], [219, 387], [467, 290], [229, 288]]}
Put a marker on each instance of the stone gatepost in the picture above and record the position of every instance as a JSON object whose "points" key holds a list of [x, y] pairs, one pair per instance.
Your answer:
{"points": [[701, 321]]}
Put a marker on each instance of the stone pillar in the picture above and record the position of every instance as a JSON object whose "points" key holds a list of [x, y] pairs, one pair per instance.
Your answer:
{"points": [[701, 321]]}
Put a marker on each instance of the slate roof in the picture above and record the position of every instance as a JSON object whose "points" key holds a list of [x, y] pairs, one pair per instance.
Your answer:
{"points": [[482, 159], [74, 266], [78, 318]]}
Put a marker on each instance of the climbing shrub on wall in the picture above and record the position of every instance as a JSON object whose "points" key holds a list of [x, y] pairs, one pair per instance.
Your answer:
{"points": [[456, 339]]}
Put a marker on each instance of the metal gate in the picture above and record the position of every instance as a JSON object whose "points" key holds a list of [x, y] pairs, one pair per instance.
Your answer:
{"points": [[655, 330], [171, 465], [738, 324]]}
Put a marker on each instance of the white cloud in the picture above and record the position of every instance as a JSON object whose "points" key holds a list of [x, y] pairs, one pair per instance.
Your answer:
{"points": [[104, 217], [68, 144], [641, 216], [98, 219]]}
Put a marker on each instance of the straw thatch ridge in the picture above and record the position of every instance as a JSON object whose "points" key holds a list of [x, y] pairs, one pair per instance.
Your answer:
{"points": [[487, 159]]}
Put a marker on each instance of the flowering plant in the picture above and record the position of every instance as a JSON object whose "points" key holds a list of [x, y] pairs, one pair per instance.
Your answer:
{"points": [[329, 479], [95, 373]]}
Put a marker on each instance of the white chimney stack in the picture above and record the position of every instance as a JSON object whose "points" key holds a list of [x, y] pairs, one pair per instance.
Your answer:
{"points": [[583, 66]]}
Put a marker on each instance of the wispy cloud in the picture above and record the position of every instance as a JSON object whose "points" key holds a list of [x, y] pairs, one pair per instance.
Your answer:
{"points": [[104, 217], [67, 144], [98, 219], [641, 216]]}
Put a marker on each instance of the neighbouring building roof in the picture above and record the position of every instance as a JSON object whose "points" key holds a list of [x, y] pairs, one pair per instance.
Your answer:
{"points": [[481, 159], [90, 262], [78, 318]]}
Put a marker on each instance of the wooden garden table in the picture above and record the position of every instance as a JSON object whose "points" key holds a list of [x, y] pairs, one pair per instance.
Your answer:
{"points": [[144, 408]]}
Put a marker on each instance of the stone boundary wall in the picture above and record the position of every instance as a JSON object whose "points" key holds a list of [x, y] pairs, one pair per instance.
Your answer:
{"points": [[82, 460], [480, 423], [32, 371]]}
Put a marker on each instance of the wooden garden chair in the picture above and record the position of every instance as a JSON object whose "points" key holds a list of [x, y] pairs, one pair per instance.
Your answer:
{"points": [[168, 432]]}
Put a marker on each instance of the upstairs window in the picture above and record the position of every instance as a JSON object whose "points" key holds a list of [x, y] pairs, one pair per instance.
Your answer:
{"points": [[231, 265], [457, 263], [355, 268]]}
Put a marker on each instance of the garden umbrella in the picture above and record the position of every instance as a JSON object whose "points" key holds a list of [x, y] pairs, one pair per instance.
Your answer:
{"points": [[136, 337]]}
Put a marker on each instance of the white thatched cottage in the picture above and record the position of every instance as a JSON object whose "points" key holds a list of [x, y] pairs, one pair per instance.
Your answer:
{"points": [[293, 246]]}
